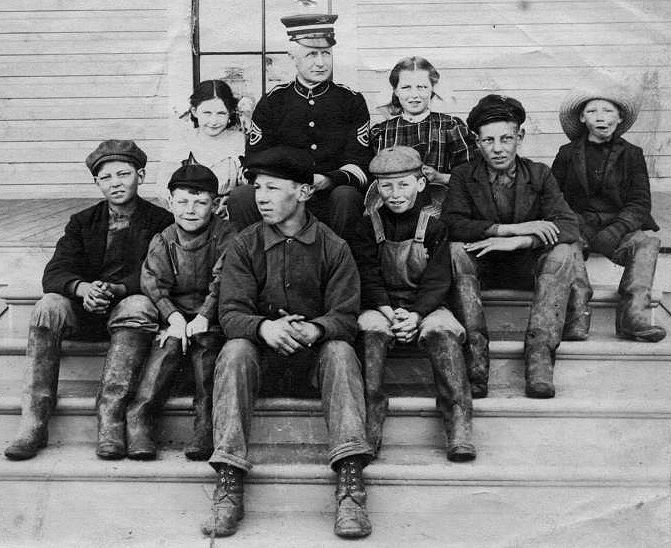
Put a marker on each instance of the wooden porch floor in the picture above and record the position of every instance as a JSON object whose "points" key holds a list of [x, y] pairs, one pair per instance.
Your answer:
{"points": [[37, 223]]}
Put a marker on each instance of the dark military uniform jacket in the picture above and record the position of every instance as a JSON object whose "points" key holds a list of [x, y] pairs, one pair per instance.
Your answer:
{"points": [[469, 209], [329, 120], [81, 252]]}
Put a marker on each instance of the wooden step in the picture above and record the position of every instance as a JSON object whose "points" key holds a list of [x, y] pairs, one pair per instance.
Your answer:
{"points": [[507, 311], [162, 504]]}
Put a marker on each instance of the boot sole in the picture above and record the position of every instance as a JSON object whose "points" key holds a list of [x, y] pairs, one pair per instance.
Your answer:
{"points": [[644, 336], [461, 454], [141, 456]]}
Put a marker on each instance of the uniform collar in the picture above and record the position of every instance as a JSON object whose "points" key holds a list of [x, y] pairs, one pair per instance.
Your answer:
{"points": [[315, 91], [306, 235]]}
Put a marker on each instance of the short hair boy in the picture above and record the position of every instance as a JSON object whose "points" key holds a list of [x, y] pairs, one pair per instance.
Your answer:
{"points": [[178, 278], [404, 262], [512, 229], [289, 300], [605, 180], [90, 286]]}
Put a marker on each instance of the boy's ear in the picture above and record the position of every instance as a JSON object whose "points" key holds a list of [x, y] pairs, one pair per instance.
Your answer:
{"points": [[216, 202], [141, 173], [421, 183], [306, 192], [521, 133]]}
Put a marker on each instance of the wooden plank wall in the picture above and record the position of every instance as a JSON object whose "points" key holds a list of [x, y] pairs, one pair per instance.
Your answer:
{"points": [[72, 73], [535, 51]]}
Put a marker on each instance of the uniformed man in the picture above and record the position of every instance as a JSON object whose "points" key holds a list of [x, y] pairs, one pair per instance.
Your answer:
{"points": [[315, 114]]}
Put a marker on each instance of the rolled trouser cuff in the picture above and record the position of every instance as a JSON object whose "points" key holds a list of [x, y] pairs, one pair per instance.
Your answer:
{"points": [[221, 457], [351, 449]]}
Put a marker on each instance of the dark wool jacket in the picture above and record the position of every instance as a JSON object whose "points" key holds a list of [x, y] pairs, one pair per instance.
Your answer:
{"points": [[469, 209], [435, 283], [80, 252], [178, 276], [625, 181], [312, 273]]}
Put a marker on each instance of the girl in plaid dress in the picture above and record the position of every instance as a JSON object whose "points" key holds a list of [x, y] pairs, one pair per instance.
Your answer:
{"points": [[443, 141]]}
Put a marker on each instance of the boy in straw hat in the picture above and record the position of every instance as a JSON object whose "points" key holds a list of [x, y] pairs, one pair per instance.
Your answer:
{"points": [[404, 261], [605, 180]]}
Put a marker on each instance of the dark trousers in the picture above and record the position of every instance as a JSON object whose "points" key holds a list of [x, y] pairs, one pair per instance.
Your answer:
{"points": [[237, 381]]}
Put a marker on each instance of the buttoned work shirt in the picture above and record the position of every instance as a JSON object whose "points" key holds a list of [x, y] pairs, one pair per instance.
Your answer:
{"points": [[312, 273]]}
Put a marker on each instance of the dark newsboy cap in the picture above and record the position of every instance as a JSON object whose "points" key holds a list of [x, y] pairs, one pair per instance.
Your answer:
{"points": [[284, 162], [495, 108], [196, 177], [116, 149]]}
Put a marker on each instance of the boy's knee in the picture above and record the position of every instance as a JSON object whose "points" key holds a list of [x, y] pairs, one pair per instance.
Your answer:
{"points": [[374, 321], [135, 312], [52, 311], [559, 260], [462, 263], [237, 355], [441, 322]]}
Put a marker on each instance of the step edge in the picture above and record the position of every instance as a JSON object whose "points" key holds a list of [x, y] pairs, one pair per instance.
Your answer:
{"points": [[404, 406]]}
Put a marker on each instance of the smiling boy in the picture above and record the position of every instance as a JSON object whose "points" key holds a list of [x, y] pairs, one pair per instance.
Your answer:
{"points": [[404, 261], [288, 300], [605, 180], [91, 286], [178, 278], [511, 228]]}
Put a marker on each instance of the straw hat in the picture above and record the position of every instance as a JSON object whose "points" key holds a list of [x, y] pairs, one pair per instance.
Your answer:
{"points": [[621, 95]]}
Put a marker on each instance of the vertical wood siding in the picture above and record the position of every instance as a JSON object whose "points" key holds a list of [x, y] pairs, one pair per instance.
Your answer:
{"points": [[72, 73]]}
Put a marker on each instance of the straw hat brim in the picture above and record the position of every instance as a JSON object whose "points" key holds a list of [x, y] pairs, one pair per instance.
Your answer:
{"points": [[574, 102]]}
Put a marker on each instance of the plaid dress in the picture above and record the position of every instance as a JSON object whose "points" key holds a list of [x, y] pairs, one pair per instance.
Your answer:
{"points": [[443, 141]]}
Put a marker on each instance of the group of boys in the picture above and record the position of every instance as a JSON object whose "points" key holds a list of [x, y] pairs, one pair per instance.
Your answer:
{"points": [[285, 301]]}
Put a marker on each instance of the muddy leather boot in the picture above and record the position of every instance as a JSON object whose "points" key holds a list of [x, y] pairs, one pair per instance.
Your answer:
{"points": [[40, 382], [454, 394], [126, 354], [374, 350], [351, 519], [469, 311], [631, 319], [228, 506], [578, 312], [150, 397], [204, 351]]}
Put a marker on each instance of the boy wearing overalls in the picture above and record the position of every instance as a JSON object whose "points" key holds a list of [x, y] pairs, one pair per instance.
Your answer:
{"points": [[404, 263]]}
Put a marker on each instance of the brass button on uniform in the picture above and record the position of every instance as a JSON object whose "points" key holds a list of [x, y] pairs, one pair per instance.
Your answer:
{"points": [[313, 146]]}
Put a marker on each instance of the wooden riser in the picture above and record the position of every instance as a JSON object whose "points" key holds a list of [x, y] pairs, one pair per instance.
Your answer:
{"points": [[591, 380], [165, 507]]}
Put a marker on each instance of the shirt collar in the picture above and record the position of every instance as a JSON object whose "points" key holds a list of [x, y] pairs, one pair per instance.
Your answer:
{"points": [[306, 235], [310, 92], [505, 178]]}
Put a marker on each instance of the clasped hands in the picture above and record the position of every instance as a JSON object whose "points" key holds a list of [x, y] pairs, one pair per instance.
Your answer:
{"points": [[97, 296], [404, 324], [180, 329], [510, 237], [289, 333]]}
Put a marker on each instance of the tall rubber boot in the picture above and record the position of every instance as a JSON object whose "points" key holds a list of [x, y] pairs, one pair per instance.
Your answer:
{"points": [[469, 311], [454, 394], [631, 318], [351, 519], [578, 312], [40, 382], [150, 397], [543, 335], [204, 351], [228, 507], [126, 354], [375, 346]]}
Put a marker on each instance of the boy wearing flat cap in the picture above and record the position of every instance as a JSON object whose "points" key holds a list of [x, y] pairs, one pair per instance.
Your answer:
{"points": [[289, 300], [511, 228], [404, 262], [91, 287], [605, 180], [178, 278], [326, 119]]}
